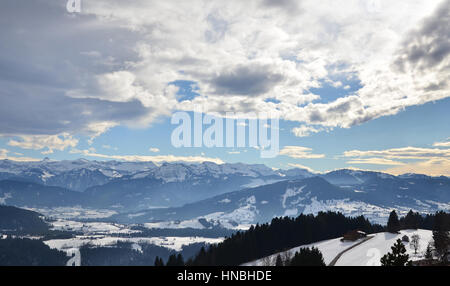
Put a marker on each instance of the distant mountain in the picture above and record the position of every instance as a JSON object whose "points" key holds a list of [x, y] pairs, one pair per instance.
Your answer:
{"points": [[27, 194], [136, 185], [353, 177], [228, 194], [76, 175], [373, 197]]}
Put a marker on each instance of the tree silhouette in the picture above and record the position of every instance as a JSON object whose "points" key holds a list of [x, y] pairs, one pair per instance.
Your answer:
{"points": [[393, 224], [398, 257]]}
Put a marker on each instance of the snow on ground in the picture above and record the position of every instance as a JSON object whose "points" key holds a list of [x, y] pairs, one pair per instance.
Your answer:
{"points": [[370, 252], [329, 248], [91, 227], [75, 212], [171, 242], [218, 219], [192, 223]]}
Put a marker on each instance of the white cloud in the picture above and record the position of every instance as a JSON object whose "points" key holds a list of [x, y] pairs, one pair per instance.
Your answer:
{"points": [[39, 142], [305, 131], [442, 144], [402, 153], [432, 167], [299, 152], [157, 159], [430, 161], [238, 53], [154, 150], [296, 165], [374, 161], [4, 155]]}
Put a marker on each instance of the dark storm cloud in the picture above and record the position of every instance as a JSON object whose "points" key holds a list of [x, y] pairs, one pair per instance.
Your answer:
{"points": [[40, 111], [251, 80], [428, 46], [46, 52]]}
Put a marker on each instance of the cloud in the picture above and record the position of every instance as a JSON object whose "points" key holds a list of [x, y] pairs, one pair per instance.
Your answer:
{"points": [[39, 142], [429, 46], [432, 167], [113, 64], [402, 153], [250, 80], [109, 147], [305, 131], [4, 155], [299, 152], [430, 161], [295, 165], [374, 161], [442, 144], [157, 159], [153, 149]]}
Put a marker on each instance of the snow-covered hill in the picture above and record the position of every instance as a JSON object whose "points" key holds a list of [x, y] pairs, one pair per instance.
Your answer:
{"points": [[367, 253]]}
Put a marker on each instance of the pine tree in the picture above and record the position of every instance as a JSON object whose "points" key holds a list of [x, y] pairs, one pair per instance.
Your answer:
{"points": [[308, 257], [429, 252], [412, 220], [393, 224], [441, 243], [172, 261], [279, 261], [159, 261], [398, 257], [180, 260]]}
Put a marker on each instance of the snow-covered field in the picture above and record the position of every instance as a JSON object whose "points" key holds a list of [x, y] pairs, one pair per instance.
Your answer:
{"points": [[367, 253], [72, 246], [75, 212], [175, 243], [370, 252], [90, 228], [329, 248]]}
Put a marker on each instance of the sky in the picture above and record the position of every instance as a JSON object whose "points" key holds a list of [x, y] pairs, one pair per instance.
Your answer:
{"points": [[360, 84]]}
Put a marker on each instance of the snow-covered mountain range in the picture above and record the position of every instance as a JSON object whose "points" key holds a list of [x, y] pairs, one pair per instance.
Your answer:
{"points": [[231, 194]]}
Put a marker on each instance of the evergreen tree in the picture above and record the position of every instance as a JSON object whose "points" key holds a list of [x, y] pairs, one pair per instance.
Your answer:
{"points": [[441, 235], [279, 261], [429, 252], [393, 224], [308, 257], [180, 260], [441, 243], [172, 261], [412, 220], [159, 261], [398, 257]]}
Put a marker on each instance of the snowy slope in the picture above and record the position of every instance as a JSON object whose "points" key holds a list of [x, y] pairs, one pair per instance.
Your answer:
{"points": [[367, 253], [370, 252], [329, 248]]}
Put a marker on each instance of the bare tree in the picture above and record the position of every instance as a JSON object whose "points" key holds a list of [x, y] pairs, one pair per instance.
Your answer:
{"points": [[267, 261], [414, 244], [286, 257]]}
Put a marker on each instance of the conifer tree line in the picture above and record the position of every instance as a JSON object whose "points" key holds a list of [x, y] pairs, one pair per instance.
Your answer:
{"points": [[304, 257], [174, 260]]}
